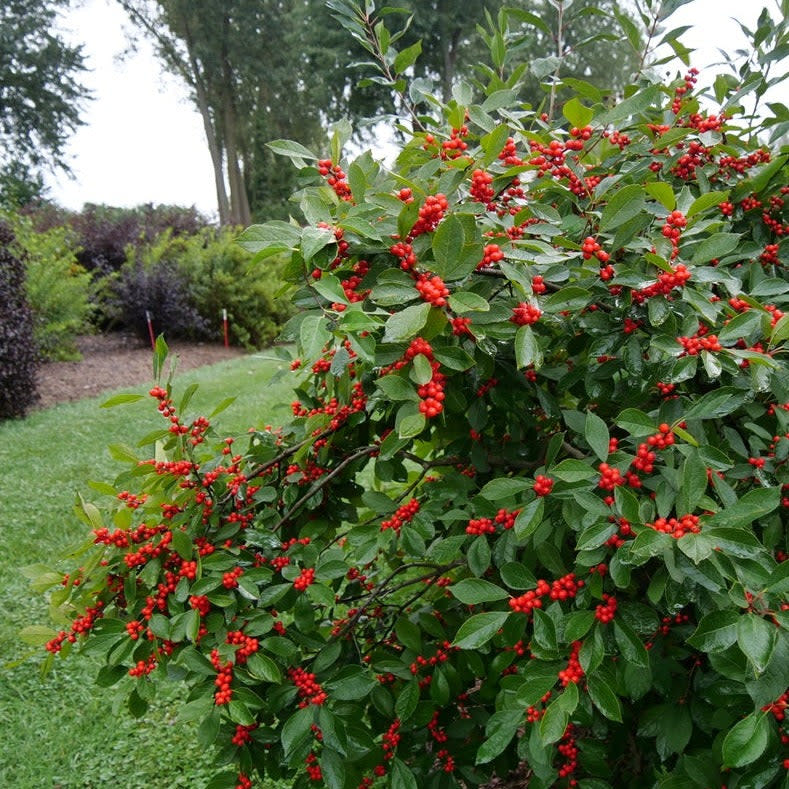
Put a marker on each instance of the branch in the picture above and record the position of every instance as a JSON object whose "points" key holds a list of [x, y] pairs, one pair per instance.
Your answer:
{"points": [[322, 482]]}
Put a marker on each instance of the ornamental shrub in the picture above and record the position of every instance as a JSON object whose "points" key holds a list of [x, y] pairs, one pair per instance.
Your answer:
{"points": [[59, 290], [17, 349], [530, 510]]}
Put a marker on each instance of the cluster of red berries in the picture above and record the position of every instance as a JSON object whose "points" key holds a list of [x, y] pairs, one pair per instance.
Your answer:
{"points": [[591, 248], [701, 341], [230, 578], [243, 734], [431, 213], [569, 751], [335, 178], [490, 254], [624, 532], [525, 314], [351, 284], [610, 477], [542, 485], [224, 679], [506, 518], [550, 160], [244, 781], [606, 610], [666, 282], [309, 690], [304, 579], [441, 656], [477, 526], [461, 326], [313, 768], [391, 740], [404, 252], [677, 527], [404, 514], [432, 290], [481, 190], [563, 588], [573, 672], [432, 394]]}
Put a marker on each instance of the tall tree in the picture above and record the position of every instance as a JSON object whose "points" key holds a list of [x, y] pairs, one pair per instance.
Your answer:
{"points": [[261, 70], [244, 83], [41, 96]]}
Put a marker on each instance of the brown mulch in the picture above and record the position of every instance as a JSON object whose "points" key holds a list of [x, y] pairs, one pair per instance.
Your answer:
{"points": [[116, 360]]}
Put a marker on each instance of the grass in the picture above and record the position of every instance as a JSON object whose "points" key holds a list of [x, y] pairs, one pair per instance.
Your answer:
{"points": [[61, 730]]}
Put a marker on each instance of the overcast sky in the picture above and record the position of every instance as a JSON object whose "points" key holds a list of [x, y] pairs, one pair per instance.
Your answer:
{"points": [[143, 141]]}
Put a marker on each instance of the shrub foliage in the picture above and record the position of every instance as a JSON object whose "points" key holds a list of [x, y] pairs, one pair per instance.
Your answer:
{"points": [[17, 348], [531, 506]]}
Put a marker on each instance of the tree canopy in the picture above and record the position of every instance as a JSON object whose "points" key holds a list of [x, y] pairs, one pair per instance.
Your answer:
{"points": [[40, 93], [270, 69]]}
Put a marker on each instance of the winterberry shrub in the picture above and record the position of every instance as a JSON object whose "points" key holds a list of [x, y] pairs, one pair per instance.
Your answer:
{"points": [[530, 510], [17, 348]]}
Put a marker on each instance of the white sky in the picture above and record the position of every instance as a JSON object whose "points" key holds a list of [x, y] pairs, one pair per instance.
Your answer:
{"points": [[143, 141]]}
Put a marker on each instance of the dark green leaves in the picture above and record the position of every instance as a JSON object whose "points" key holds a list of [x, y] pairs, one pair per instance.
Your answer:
{"points": [[479, 629], [746, 740]]}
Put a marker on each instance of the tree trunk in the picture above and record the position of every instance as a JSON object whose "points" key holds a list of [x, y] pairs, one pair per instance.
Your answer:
{"points": [[209, 127], [240, 213]]}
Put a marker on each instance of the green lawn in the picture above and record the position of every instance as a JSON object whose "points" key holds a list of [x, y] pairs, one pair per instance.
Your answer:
{"points": [[61, 730]]}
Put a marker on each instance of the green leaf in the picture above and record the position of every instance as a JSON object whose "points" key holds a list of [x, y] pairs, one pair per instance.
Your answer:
{"points": [[262, 667], [747, 325], [636, 422], [527, 349], [296, 730], [351, 684], [715, 246], [594, 536], [752, 506], [402, 777], [407, 323], [407, 700], [472, 591], [407, 57], [479, 629], [779, 580], [396, 388], [504, 487], [596, 435], [293, 150], [577, 113], [634, 105], [627, 202], [630, 644], [529, 518], [448, 241], [313, 336], [717, 403], [716, 631], [571, 298], [757, 639], [465, 301], [663, 193], [332, 769], [557, 715], [604, 698], [538, 678], [160, 352], [571, 470], [694, 484], [746, 740], [705, 201], [499, 731], [121, 399]]}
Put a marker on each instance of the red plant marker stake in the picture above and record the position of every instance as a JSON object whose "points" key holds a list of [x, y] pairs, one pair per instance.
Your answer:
{"points": [[150, 329], [224, 325]]}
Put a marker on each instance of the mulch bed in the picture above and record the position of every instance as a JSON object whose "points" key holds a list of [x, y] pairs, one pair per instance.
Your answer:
{"points": [[116, 360]]}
